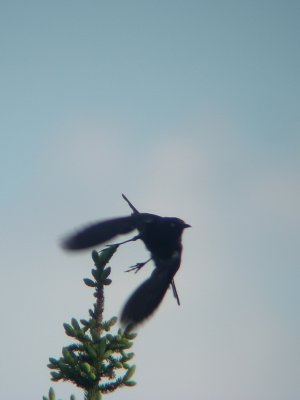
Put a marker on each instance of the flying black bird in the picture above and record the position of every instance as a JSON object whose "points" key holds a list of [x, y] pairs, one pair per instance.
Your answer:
{"points": [[140, 265], [161, 236]]}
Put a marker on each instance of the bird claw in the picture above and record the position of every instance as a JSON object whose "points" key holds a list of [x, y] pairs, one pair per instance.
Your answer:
{"points": [[112, 245], [137, 266]]}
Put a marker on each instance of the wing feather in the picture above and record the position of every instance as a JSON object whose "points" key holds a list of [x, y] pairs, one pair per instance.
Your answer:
{"points": [[100, 232]]}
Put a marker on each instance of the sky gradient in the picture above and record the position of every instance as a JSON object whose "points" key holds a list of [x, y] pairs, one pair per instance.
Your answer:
{"points": [[190, 108]]}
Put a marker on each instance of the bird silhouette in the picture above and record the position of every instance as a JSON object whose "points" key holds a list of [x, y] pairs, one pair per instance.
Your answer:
{"points": [[161, 236]]}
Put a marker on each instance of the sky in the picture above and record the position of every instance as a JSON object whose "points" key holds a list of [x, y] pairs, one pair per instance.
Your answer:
{"points": [[190, 108]]}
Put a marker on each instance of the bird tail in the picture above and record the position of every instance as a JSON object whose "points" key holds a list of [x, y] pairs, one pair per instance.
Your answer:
{"points": [[135, 211]]}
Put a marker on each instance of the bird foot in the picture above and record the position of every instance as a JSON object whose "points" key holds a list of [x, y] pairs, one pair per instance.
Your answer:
{"points": [[137, 266]]}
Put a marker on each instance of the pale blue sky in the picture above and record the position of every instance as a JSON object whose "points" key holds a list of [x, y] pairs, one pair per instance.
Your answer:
{"points": [[191, 108]]}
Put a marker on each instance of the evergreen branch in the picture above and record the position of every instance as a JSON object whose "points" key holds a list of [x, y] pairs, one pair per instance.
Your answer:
{"points": [[98, 361]]}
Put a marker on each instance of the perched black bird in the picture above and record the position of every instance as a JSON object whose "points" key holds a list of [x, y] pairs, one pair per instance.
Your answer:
{"points": [[161, 236]]}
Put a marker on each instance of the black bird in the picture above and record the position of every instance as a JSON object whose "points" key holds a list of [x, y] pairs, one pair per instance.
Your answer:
{"points": [[161, 236], [140, 265]]}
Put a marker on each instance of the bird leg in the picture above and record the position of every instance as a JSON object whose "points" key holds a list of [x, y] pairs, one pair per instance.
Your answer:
{"points": [[126, 241], [137, 266]]}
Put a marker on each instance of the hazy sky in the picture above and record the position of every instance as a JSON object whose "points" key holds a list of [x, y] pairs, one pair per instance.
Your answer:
{"points": [[191, 108]]}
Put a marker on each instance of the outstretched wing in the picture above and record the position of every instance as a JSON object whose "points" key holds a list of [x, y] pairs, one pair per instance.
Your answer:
{"points": [[148, 296], [100, 232]]}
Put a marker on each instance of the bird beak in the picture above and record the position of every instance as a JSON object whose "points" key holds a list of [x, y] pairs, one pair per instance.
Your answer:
{"points": [[186, 226]]}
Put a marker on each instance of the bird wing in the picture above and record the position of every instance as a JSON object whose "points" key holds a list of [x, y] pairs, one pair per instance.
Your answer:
{"points": [[100, 232], [148, 296]]}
